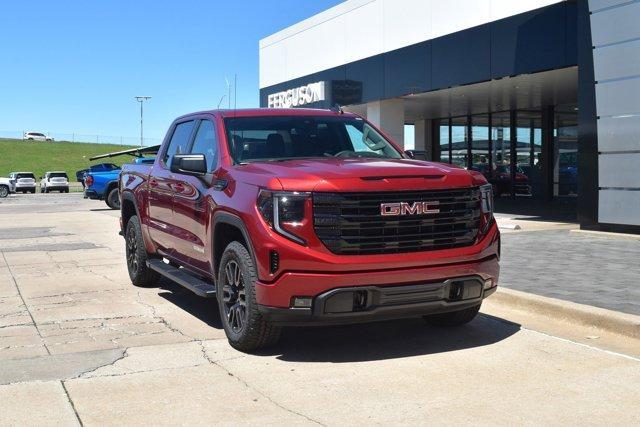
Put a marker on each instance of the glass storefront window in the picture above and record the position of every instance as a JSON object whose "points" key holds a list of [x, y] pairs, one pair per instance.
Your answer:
{"points": [[480, 159], [565, 147], [459, 141], [528, 179], [484, 143], [445, 136]]}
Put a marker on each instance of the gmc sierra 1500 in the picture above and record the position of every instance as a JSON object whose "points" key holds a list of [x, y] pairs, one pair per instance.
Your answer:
{"points": [[299, 216]]}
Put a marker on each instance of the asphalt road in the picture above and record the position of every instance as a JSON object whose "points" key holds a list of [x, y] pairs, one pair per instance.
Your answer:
{"points": [[80, 345]]}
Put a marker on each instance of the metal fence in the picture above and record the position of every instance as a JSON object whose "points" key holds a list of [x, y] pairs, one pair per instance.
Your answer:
{"points": [[87, 138]]}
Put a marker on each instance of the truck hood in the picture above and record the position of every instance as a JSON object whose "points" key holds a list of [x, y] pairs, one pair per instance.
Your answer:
{"points": [[344, 175]]}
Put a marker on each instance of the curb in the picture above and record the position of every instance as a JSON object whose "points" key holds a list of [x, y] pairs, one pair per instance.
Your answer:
{"points": [[608, 320], [607, 234]]}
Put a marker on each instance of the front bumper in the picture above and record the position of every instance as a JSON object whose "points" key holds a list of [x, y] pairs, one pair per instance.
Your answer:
{"points": [[426, 289], [373, 303]]}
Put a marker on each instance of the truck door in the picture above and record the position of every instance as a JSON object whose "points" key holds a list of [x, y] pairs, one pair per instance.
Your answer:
{"points": [[191, 206], [162, 185]]}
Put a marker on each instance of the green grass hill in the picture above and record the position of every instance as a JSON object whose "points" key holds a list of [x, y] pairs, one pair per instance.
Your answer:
{"points": [[40, 157]]}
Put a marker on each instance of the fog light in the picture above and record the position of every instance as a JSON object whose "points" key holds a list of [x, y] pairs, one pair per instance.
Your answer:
{"points": [[302, 302], [274, 262], [488, 284]]}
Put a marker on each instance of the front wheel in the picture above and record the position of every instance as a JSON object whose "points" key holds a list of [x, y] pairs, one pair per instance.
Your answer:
{"points": [[136, 253], [4, 191], [454, 318], [244, 326], [113, 199]]}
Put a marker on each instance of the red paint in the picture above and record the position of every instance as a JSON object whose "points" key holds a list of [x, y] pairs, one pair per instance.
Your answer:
{"points": [[177, 213]]}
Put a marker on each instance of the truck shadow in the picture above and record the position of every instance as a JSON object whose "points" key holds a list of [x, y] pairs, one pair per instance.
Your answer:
{"points": [[388, 340], [360, 342]]}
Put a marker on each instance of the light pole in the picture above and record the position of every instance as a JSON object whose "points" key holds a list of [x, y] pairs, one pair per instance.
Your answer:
{"points": [[141, 100]]}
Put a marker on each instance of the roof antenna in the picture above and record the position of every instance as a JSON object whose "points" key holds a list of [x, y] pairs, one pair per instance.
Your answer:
{"points": [[336, 108]]}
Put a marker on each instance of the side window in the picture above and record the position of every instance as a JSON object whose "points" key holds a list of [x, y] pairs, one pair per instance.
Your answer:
{"points": [[179, 141], [206, 143]]}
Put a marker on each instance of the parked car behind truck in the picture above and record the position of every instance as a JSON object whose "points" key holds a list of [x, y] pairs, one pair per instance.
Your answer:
{"points": [[101, 167], [6, 187], [24, 182], [54, 181], [104, 185], [297, 217]]}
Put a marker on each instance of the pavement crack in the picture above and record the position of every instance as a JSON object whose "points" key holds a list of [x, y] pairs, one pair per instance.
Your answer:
{"points": [[73, 406], [155, 315], [250, 387], [125, 354], [15, 282]]}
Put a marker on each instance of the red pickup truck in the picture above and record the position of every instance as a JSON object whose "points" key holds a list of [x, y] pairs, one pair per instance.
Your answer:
{"points": [[299, 217]]}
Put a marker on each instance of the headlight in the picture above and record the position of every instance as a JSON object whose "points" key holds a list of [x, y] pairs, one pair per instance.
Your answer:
{"points": [[284, 211], [486, 198], [486, 207]]}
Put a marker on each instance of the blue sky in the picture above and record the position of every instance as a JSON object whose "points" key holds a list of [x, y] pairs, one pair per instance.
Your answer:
{"points": [[75, 66]]}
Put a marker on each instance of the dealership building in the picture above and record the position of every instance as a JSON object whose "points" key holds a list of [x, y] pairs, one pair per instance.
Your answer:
{"points": [[541, 96]]}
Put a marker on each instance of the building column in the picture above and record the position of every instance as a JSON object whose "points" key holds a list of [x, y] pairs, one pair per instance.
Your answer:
{"points": [[388, 115], [424, 136]]}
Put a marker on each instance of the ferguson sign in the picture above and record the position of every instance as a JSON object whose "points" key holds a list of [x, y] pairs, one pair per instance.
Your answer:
{"points": [[297, 97]]}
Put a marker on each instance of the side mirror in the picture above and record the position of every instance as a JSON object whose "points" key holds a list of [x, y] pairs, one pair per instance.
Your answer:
{"points": [[189, 164]]}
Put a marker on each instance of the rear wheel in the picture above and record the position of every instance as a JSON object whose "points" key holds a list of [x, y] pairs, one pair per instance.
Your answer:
{"points": [[4, 191], [136, 253], [454, 318], [113, 199], [243, 324]]}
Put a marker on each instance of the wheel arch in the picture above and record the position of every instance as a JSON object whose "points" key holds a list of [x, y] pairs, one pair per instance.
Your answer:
{"points": [[128, 208], [110, 186], [225, 228]]}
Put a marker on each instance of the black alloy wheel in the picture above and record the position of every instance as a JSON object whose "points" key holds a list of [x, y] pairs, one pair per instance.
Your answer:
{"points": [[133, 261], [234, 297]]}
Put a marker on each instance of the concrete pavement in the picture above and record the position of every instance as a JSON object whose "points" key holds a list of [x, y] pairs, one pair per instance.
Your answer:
{"points": [[80, 345]]}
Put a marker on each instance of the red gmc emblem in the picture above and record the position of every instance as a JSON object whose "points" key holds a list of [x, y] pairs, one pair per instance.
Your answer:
{"points": [[404, 208]]}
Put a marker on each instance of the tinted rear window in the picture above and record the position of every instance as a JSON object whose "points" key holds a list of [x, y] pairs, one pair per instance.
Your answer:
{"points": [[25, 175], [58, 175]]}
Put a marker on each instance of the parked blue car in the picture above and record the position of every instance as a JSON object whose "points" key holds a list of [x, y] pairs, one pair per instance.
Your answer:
{"points": [[104, 185]]}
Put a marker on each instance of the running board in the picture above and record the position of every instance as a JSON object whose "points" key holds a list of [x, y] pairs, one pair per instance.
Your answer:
{"points": [[182, 278]]}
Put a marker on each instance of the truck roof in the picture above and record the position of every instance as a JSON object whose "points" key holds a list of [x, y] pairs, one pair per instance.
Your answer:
{"points": [[255, 112]]}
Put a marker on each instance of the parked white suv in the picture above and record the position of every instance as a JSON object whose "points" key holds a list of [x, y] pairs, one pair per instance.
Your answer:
{"points": [[6, 187], [24, 182], [36, 136], [54, 181]]}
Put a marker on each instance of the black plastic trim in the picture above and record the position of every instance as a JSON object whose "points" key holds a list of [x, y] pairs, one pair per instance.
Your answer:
{"points": [[316, 315], [231, 219]]}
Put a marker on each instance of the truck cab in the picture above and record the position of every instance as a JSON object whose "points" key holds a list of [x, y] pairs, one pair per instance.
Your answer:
{"points": [[301, 217]]}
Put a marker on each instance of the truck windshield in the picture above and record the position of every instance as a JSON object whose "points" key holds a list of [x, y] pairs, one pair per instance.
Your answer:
{"points": [[294, 137]]}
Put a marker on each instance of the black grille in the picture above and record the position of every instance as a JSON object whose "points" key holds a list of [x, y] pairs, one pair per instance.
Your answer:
{"points": [[351, 223]]}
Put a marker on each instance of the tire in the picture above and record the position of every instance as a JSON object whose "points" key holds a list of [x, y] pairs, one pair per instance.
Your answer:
{"points": [[4, 191], [113, 199], [243, 324], [137, 256], [33, 191], [454, 318]]}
